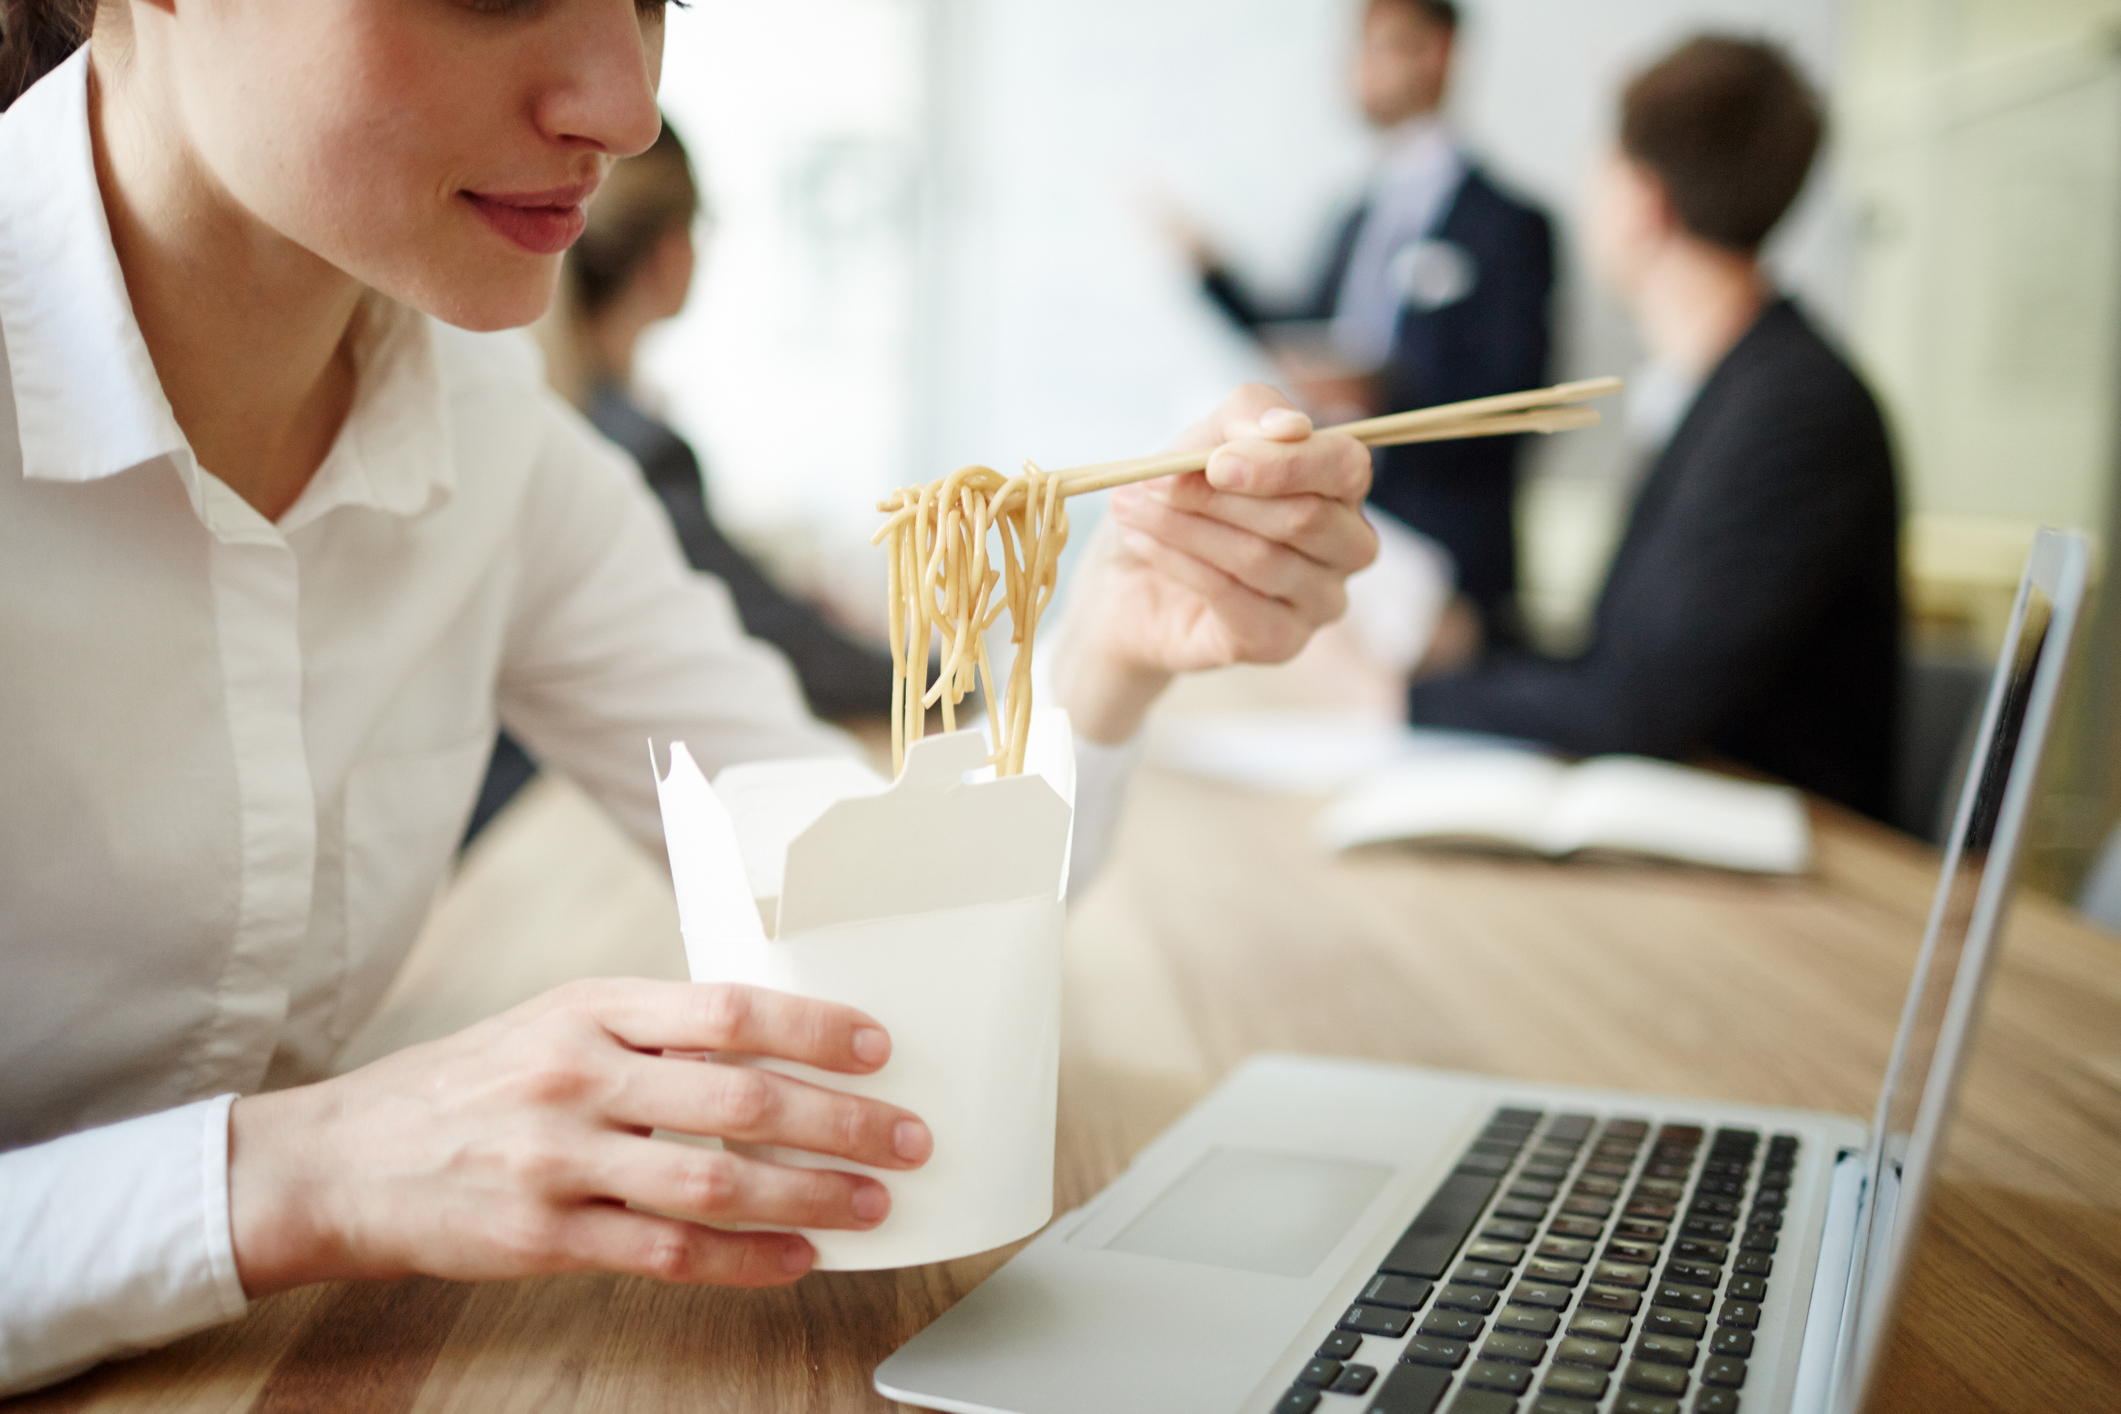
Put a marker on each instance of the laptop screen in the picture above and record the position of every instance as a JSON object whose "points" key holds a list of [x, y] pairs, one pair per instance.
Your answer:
{"points": [[1971, 893]]}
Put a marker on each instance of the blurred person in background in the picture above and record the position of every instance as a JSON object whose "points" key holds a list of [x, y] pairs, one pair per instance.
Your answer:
{"points": [[1752, 609], [632, 269], [1436, 289]]}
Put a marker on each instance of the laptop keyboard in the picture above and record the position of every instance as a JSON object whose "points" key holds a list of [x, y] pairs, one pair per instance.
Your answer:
{"points": [[1568, 1266]]}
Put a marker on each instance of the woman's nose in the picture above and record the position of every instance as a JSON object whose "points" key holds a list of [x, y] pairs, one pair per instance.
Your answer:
{"points": [[608, 60]]}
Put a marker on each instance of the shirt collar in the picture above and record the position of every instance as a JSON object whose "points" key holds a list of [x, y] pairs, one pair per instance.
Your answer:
{"points": [[87, 401]]}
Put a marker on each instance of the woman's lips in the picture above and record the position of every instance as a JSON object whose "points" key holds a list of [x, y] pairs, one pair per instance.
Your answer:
{"points": [[541, 222]]}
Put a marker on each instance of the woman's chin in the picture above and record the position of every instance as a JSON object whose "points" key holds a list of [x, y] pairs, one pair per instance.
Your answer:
{"points": [[491, 299]]}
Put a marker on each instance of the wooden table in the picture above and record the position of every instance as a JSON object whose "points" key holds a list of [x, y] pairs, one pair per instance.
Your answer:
{"points": [[1220, 931]]}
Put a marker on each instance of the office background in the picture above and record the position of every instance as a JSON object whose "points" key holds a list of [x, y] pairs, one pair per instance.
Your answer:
{"points": [[933, 244]]}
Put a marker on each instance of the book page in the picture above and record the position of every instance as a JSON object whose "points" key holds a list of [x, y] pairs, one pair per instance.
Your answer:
{"points": [[1641, 806], [1485, 796]]}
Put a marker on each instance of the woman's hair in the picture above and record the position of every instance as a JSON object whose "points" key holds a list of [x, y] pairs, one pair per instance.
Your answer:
{"points": [[34, 36], [643, 199]]}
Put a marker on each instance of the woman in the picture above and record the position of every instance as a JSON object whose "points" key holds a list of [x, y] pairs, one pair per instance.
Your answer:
{"points": [[281, 540]]}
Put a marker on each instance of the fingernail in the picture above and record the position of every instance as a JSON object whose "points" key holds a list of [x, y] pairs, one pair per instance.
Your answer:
{"points": [[871, 1046], [1276, 422], [871, 1202], [795, 1256], [911, 1140], [1228, 470]]}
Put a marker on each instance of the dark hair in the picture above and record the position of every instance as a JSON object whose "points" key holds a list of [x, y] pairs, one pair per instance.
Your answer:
{"points": [[1730, 128], [1441, 13], [34, 36], [643, 197]]}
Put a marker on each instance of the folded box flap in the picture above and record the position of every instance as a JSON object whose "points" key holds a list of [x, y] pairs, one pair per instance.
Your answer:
{"points": [[931, 841], [706, 866]]}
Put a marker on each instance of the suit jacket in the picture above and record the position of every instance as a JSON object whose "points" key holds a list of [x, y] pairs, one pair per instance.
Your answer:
{"points": [[1753, 607], [1493, 339], [840, 677]]}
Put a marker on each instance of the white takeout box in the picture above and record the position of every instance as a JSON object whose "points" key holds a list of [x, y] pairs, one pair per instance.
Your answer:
{"points": [[934, 904]]}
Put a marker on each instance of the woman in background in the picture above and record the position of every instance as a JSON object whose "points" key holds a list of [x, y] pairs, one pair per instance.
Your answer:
{"points": [[630, 270]]}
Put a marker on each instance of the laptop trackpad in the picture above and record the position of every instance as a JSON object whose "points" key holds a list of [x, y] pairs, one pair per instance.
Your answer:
{"points": [[1255, 1211]]}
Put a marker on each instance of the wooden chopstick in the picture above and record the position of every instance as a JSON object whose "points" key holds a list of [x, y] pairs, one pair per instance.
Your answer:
{"points": [[1535, 410]]}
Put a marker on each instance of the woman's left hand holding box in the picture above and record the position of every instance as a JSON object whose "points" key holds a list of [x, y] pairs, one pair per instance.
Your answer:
{"points": [[514, 1148]]}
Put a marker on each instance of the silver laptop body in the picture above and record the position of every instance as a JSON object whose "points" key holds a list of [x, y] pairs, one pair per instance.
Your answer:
{"points": [[1334, 1237]]}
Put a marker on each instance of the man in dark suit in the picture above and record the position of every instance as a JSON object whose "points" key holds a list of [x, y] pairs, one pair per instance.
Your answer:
{"points": [[1753, 608], [1437, 289]]}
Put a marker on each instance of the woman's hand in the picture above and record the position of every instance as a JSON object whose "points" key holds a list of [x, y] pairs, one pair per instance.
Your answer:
{"points": [[1237, 564], [512, 1148]]}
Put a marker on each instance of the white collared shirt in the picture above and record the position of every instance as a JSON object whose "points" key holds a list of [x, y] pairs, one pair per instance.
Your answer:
{"points": [[1417, 173], [238, 754]]}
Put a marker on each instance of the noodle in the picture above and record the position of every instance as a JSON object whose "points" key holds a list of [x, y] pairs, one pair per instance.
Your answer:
{"points": [[942, 585]]}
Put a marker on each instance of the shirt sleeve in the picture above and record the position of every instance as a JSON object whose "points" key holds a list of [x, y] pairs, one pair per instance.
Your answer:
{"points": [[616, 641], [114, 1240]]}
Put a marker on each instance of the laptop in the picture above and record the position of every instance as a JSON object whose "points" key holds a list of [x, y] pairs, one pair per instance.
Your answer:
{"points": [[1335, 1237]]}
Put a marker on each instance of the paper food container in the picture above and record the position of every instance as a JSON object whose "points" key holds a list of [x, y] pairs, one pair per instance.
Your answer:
{"points": [[934, 904]]}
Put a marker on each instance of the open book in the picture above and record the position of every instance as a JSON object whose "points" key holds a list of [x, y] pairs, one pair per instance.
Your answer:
{"points": [[1625, 804]]}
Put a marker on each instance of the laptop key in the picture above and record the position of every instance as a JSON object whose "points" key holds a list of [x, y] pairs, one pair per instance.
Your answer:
{"points": [[1640, 1253], [1690, 1324], [1757, 1264], [1482, 1401], [1656, 1379], [1582, 1350], [1400, 1293], [1297, 1401], [1354, 1379], [1339, 1345], [1566, 1249], [1509, 1230], [1520, 1208], [1758, 1239], [1426, 1248], [1597, 1185], [1552, 1172], [1622, 1274], [1494, 1374], [1411, 1389], [1486, 1249], [1743, 1314], [1714, 1229], [1529, 1320], [1667, 1350], [1732, 1341], [1716, 1401], [1536, 1189], [1747, 1289], [1482, 1274], [1568, 1226], [1521, 1349], [1452, 1325], [1577, 1381], [1485, 1165], [1443, 1354], [1532, 1293], [1643, 1230], [1693, 1274], [1376, 1320], [1601, 1325], [1612, 1298], [1546, 1269], [1724, 1370], [1467, 1298], [1694, 1250], [1633, 1402], [1589, 1207], [1562, 1404], [1682, 1298], [1524, 1118], [1319, 1373]]}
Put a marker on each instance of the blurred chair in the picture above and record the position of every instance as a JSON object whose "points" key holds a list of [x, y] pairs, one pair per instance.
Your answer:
{"points": [[1940, 714], [2101, 899]]}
